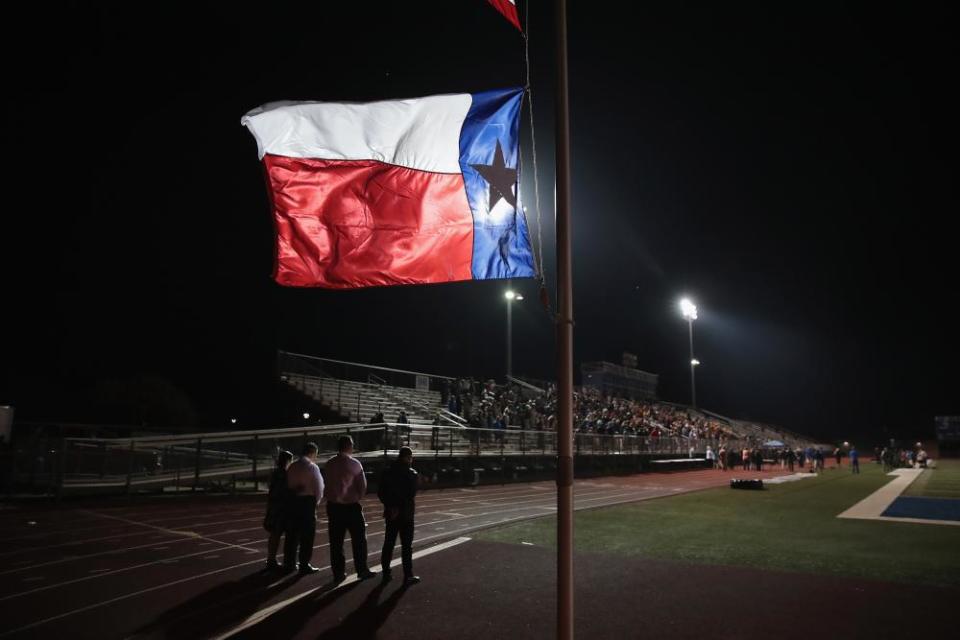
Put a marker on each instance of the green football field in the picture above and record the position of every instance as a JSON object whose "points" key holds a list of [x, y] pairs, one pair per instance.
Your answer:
{"points": [[943, 481], [791, 527]]}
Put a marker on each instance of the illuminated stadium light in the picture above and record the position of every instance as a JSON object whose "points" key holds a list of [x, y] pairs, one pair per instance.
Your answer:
{"points": [[509, 295], [233, 421], [694, 362], [688, 309], [306, 416], [519, 297]]}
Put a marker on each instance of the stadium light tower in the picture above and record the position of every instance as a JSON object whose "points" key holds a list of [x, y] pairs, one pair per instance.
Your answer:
{"points": [[510, 296], [689, 312]]}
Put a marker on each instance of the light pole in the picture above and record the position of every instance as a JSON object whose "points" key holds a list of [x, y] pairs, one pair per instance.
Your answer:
{"points": [[689, 311], [510, 295]]}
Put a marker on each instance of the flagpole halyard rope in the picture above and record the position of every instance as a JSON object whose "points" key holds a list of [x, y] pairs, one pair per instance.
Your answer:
{"points": [[533, 141]]}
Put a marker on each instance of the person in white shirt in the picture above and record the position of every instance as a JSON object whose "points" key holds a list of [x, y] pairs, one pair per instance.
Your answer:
{"points": [[346, 487], [306, 485]]}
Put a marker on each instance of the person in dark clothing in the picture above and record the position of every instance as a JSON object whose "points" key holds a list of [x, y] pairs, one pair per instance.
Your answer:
{"points": [[397, 491], [279, 498]]}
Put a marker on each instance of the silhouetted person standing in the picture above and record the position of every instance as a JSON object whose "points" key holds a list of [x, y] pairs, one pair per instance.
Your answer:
{"points": [[306, 483], [278, 507], [397, 491], [346, 487], [854, 460]]}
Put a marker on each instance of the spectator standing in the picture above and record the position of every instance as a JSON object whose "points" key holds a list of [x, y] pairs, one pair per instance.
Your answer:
{"points": [[346, 487], [279, 498], [306, 484], [397, 491], [711, 458], [854, 460], [838, 454]]}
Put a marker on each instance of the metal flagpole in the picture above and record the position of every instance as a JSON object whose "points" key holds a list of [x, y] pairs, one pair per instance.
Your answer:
{"points": [[564, 340]]}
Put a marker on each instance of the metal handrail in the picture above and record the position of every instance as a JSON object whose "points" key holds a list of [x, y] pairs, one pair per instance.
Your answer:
{"points": [[368, 366], [220, 435]]}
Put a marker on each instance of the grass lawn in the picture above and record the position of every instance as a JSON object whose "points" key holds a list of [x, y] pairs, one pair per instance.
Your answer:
{"points": [[790, 527], [941, 482]]}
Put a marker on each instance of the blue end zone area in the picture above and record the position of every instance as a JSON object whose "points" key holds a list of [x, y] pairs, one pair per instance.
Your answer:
{"points": [[925, 508]]}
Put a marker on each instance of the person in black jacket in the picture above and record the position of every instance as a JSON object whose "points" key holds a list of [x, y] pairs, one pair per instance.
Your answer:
{"points": [[397, 491], [278, 500]]}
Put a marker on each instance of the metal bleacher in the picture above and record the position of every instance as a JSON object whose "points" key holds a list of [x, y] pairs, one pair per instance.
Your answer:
{"points": [[358, 392], [361, 401]]}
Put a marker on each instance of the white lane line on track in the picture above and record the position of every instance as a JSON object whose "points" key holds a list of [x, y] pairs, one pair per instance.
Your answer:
{"points": [[119, 535], [263, 614], [420, 504], [96, 605], [490, 491], [527, 506], [155, 588], [174, 532], [218, 513]]}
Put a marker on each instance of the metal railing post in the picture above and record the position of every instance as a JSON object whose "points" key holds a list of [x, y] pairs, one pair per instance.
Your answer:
{"points": [[130, 466], [451, 441], [256, 485], [179, 464], [196, 467]]}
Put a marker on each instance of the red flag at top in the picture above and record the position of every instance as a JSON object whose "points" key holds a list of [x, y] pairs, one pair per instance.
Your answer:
{"points": [[509, 10]]}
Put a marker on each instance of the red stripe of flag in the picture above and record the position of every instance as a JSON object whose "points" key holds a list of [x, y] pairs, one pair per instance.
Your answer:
{"points": [[362, 223], [509, 11]]}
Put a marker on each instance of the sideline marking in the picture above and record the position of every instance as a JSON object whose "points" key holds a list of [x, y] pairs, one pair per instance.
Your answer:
{"points": [[263, 614], [873, 506]]}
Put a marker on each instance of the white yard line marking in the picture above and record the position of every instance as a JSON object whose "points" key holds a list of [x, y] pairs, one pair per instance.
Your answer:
{"points": [[871, 507], [266, 612]]}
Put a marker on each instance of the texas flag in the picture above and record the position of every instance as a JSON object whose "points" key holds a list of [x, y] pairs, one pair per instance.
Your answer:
{"points": [[397, 192]]}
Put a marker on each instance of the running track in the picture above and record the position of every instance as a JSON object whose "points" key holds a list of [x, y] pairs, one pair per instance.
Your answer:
{"points": [[189, 567]]}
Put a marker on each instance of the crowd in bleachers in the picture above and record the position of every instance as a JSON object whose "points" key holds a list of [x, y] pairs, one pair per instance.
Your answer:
{"points": [[493, 406]]}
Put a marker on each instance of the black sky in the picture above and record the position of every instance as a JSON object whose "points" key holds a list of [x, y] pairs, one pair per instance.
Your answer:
{"points": [[791, 169]]}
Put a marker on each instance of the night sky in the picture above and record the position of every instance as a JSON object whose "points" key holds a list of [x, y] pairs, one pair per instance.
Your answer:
{"points": [[792, 170]]}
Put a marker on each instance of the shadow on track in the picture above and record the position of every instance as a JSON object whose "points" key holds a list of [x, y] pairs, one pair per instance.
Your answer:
{"points": [[206, 613], [303, 615]]}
